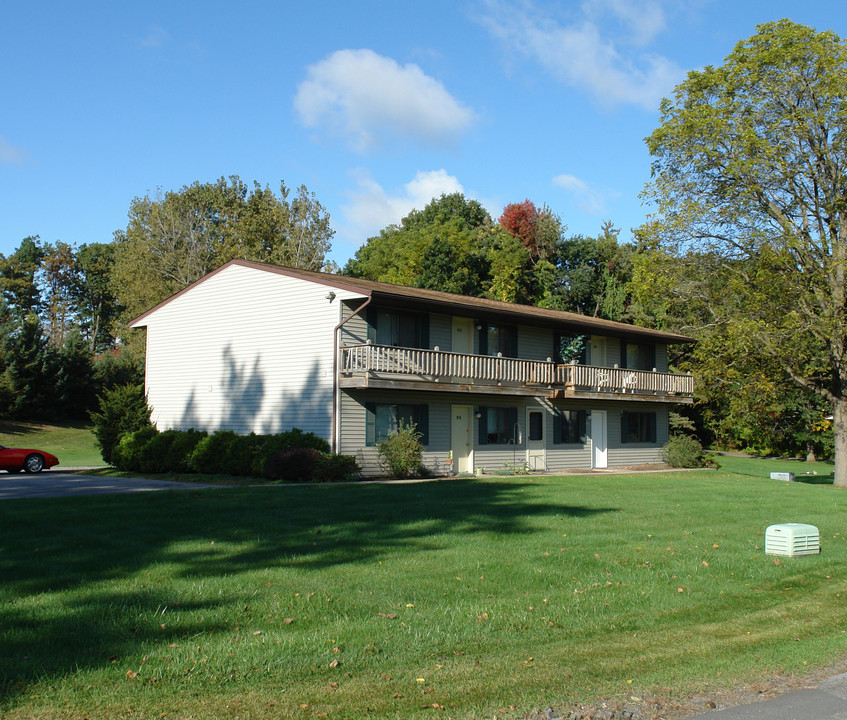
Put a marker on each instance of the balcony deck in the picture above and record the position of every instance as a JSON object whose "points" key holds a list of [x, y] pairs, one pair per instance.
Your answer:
{"points": [[383, 366]]}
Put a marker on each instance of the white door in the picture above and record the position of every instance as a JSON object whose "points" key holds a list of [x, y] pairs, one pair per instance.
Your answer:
{"points": [[536, 444], [598, 351], [462, 335], [598, 439], [460, 439]]}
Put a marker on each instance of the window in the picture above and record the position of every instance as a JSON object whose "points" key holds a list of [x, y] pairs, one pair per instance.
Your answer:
{"points": [[570, 348], [502, 339], [398, 329], [569, 427], [498, 426], [536, 426], [638, 427], [384, 419], [638, 356]]}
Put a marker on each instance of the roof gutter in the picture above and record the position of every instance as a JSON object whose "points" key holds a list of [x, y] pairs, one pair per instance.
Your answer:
{"points": [[335, 365]]}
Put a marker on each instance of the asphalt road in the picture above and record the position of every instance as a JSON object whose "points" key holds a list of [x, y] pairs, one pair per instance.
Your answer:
{"points": [[826, 701], [58, 483]]}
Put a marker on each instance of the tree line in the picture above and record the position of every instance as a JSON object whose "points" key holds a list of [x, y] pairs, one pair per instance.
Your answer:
{"points": [[747, 253]]}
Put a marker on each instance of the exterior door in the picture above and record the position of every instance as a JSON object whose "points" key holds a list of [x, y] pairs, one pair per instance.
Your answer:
{"points": [[598, 439], [598, 351], [460, 439], [462, 335], [536, 444]]}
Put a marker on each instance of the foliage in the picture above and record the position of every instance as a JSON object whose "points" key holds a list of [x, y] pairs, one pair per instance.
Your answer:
{"points": [[749, 168], [401, 453], [176, 237], [304, 464], [149, 451], [684, 451], [121, 409], [226, 452], [19, 278]]}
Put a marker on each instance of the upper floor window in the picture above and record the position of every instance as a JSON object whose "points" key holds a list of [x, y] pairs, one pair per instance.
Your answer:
{"points": [[638, 356], [570, 348], [498, 339], [398, 329]]}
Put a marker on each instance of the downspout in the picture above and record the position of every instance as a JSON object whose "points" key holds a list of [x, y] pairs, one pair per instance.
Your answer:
{"points": [[335, 358]]}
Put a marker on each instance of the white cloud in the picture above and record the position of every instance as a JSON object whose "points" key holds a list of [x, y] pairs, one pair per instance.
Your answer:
{"points": [[11, 155], [365, 98], [580, 55], [371, 208], [642, 20], [590, 200]]}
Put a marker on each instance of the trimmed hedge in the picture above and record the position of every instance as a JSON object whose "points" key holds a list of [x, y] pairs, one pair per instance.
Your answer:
{"points": [[294, 455], [310, 465]]}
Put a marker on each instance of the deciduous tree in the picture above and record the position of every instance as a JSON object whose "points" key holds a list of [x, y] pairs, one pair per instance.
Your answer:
{"points": [[750, 165]]}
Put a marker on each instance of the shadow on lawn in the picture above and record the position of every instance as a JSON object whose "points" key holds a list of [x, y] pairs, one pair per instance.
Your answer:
{"points": [[58, 544]]}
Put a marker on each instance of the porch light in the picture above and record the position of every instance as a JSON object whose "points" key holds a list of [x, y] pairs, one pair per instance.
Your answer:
{"points": [[330, 296]]}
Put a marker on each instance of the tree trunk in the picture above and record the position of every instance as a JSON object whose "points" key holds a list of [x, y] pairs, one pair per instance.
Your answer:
{"points": [[839, 428], [810, 451]]}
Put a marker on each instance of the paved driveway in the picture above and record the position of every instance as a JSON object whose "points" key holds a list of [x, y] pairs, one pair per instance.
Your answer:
{"points": [[58, 483]]}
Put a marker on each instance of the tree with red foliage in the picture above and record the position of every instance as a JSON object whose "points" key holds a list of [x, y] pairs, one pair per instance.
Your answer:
{"points": [[521, 220]]}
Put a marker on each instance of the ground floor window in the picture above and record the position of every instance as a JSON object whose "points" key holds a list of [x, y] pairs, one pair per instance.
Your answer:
{"points": [[638, 427], [498, 426], [569, 427], [382, 419]]}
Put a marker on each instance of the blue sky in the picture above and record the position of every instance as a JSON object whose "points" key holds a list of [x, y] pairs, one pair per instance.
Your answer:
{"points": [[375, 106]]}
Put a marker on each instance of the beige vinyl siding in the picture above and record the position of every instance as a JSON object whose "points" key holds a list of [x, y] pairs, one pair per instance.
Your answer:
{"points": [[355, 330], [623, 454], [567, 456], [227, 355], [613, 352], [498, 458], [353, 427], [441, 332], [535, 343]]}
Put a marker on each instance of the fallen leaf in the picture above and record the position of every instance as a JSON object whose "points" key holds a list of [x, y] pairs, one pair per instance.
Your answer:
{"points": [[334, 663], [396, 695], [131, 675], [258, 632], [288, 621], [390, 616]]}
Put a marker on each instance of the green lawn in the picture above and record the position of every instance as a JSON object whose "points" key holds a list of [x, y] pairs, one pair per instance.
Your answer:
{"points": [[483, 597], [818, 472], [74, 445]]}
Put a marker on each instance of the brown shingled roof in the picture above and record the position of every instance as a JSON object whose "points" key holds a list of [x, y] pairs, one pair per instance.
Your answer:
{"points": [[437, 301]]}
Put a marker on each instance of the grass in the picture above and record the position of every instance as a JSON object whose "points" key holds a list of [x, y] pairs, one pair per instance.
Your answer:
{"points": [[484, 597], [73, 444], [815, 473]]}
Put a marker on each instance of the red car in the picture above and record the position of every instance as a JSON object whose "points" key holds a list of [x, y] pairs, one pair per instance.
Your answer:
{"points": [[16, 459]]}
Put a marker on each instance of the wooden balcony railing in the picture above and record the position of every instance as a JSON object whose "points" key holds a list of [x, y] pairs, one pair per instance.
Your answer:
{"points": [[446, 367]]}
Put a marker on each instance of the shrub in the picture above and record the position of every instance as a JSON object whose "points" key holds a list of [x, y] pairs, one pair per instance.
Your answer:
{"points": [[122, 409], [293, 464], [213, 452], [338, 468], [131, 450], [309, 465], [685, 451], [402, 452]]}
